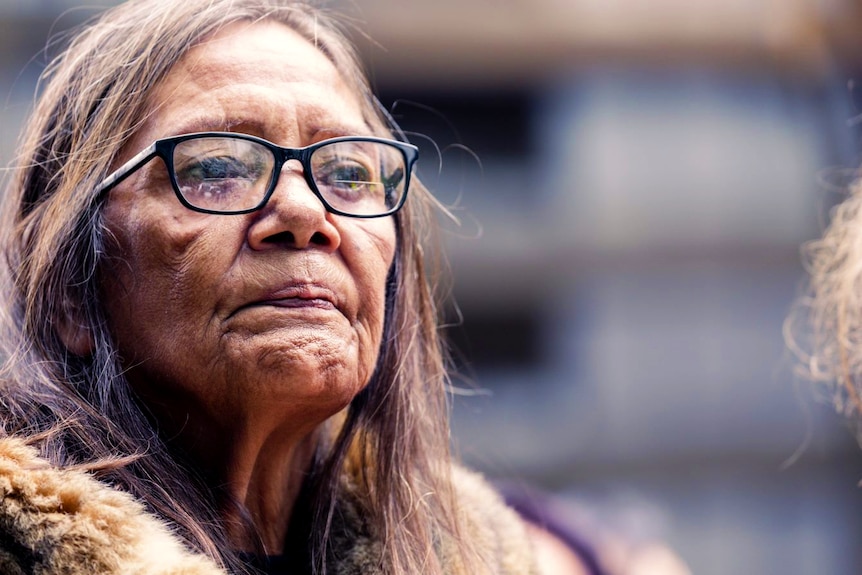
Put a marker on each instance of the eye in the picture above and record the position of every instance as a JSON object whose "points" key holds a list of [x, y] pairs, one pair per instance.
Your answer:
{"points": [[222, 173], [216, 179], [345, 176], [216, 168], [358, 177]]}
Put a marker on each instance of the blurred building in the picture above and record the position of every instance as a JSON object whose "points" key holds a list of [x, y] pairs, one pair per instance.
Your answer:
{"points": [[633, 181]]}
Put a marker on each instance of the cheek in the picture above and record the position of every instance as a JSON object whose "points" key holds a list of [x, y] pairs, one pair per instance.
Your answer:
{"points": [[156, 280], [157, 242], [373, 259]]}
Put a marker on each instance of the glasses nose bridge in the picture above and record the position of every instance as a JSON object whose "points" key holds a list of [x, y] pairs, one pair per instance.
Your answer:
{"points": [[285, 156]]}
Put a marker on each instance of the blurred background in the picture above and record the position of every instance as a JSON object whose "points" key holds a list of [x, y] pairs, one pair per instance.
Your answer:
{"points": [[633, 180]]}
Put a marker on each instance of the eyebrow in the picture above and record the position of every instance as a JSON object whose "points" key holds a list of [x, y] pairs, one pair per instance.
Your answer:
{"points": [[342, 130], [205, 124], [209, 124]]}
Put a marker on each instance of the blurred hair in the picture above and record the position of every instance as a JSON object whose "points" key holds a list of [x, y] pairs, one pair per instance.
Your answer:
{"points": [[394, 436], [825, 328]]}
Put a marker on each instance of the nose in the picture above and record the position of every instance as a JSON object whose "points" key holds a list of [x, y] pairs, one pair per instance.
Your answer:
{"points": [[294, 217]]}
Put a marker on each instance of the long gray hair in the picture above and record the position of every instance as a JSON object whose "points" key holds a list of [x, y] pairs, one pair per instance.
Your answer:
{"points": [[79, 406]]}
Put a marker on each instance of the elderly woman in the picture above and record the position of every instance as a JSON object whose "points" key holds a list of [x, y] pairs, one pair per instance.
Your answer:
{"points": [[222, 352]]}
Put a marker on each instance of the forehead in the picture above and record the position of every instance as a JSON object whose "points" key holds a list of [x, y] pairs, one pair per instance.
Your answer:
{"points": [[253, 73], [266, 47]]}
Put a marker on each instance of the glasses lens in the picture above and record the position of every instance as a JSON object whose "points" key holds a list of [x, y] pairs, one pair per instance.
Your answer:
{"points": [[222, 174], [361, 178]]}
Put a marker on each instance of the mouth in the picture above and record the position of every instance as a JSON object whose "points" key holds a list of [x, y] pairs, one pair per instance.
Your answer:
{"points": [[296, 302], [298, 296]]}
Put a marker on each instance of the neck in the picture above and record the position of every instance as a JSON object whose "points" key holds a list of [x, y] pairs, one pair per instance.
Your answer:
{"points": [[266, 479], [262, 470], [258, 454]]}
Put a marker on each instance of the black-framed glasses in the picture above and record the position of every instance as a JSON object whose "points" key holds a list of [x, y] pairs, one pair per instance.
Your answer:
{"points": [[232, 173]]}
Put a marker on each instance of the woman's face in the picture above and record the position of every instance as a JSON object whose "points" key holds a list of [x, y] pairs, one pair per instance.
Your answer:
{"points": [[234, 320]]}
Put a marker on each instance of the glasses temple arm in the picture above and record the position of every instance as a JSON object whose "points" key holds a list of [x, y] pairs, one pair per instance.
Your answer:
{"points": [[126, 169]]}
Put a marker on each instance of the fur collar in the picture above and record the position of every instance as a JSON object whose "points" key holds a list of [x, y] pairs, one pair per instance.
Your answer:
{"points": [[66, 522]]}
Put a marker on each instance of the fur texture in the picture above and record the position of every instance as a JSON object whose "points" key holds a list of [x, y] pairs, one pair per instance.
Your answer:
{"points": [[65, 522]]}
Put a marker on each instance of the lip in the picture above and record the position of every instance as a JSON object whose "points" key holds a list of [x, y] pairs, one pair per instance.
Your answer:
{"points": [[296, 295]]}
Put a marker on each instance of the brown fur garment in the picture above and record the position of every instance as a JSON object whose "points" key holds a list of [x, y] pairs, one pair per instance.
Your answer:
{"points": [[66, 522]]}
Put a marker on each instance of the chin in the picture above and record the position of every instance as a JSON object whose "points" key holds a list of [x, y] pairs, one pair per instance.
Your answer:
{"points": [[335, 383]]}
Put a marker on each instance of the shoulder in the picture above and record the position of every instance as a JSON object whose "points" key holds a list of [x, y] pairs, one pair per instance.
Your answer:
{"points": [[65, 521]]}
